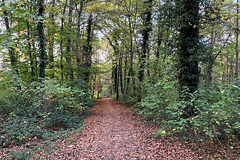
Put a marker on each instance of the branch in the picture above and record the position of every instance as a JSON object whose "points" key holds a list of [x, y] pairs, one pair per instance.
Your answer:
{"points": [[223, 47]]}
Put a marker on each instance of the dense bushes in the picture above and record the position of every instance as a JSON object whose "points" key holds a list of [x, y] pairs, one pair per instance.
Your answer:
{"points": [[34, 110], [217, 111]]}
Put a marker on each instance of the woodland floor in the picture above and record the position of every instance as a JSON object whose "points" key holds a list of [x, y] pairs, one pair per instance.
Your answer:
{"points": [[112, 132]]}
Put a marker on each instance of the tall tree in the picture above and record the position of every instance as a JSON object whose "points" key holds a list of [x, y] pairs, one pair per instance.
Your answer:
{"points": [[78, 57], [88, 49], [41, 37], [188, 49], [13, 59], [61, 38], [236, 46], [69, 44], [146, 18]]}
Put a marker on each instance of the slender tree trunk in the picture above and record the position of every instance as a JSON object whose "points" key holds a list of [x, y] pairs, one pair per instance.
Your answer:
{"points": [[120, 73], [159, 42], [232, 70], [13, 59], [61, 39], [29, 33], [125, 73], [223, 68], [228, 73], [211, 58], [30, 51], [77, 48], [51, 43], [236, 47], [131, 72], [69, 44]]}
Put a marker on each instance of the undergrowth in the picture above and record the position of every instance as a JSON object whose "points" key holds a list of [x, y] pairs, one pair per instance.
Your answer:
{"points": [[30, 112], [216, 107]]}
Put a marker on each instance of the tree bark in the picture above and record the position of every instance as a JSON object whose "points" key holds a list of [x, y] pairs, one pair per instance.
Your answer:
{"points": [[236, 47], [42, 46], [77, 47], [145, 34], [88, 49], [13, 59], [69, 44], [211, 58], [61, 39]]}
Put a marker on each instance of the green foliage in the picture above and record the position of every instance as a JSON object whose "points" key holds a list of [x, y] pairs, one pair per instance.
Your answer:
{"points": [[155, 106], [30, 111], [128, 99], [216, 107]]}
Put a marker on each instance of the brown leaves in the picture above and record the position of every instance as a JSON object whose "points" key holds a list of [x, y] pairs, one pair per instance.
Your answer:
{"points": [[112, 132]]}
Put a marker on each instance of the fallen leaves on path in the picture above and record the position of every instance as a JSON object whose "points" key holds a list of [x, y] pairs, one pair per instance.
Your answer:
{"points": [[112, 132]]}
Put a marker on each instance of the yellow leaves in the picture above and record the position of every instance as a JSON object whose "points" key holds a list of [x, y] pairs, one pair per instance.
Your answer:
{"points": [[162, 132], [17, 49], [213, 15]]}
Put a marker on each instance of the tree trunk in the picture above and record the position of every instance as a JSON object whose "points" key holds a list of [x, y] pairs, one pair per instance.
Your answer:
{"points": [[13, 59], [69, 44], [145, 46], [188, 41], [236, 47], [77, 48], [211, 58], [42, 46], [88, 49], [51, 43], [29, 37], [145, 34], [61, 39]]}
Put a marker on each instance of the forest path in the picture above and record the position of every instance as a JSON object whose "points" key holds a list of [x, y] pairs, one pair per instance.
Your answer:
{"points": [[112, 132]]}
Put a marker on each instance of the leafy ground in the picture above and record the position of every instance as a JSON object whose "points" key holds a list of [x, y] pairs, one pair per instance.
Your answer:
{"points": [[112, 132]]}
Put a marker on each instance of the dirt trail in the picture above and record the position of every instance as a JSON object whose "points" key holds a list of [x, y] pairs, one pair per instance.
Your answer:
{"points": [[112, 132]]}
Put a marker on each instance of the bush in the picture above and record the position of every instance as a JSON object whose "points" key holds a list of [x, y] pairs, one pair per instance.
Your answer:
{"points": [[31, 110], [217, 111]]}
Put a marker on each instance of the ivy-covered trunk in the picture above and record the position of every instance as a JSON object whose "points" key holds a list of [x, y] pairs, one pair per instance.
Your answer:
{"points": [[188, 49], [88, 50], [42, 45], [146, 17]]}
